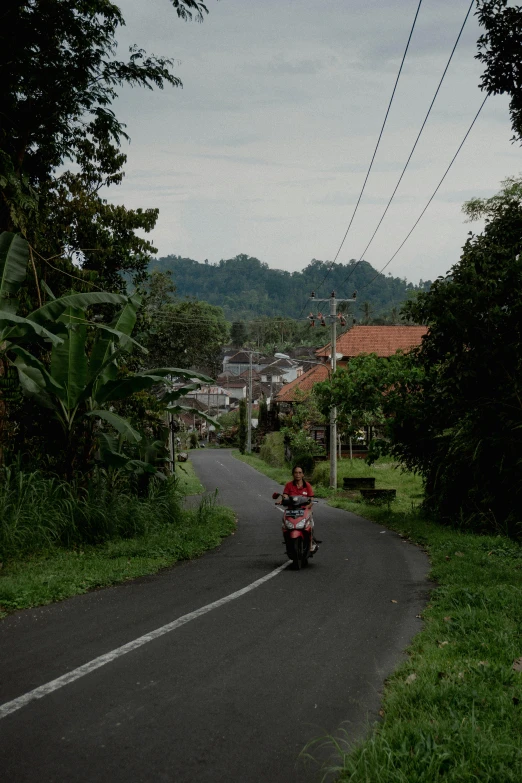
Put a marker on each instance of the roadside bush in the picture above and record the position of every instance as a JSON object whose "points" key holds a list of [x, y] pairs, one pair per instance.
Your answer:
{"points": [[321, 474], [272, 450], [37, 513]]}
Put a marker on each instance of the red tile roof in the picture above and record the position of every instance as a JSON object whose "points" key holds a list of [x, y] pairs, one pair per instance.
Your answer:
{"points": [[382, 340], [304, 384]]}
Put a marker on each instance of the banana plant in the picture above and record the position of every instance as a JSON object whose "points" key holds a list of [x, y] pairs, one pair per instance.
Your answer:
{"points": [[38, 325], [82, 378]]}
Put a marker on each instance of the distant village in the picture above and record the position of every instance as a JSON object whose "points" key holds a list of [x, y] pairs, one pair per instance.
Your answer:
{"points": [[283, 379]]}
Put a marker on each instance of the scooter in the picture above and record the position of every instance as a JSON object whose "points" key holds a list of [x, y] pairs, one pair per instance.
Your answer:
{"points": [[297, 529]]}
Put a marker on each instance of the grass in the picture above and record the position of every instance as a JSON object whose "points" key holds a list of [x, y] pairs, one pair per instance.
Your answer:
{"points": [[453, 710], [58, 562], [387, 473], [188, 482]]}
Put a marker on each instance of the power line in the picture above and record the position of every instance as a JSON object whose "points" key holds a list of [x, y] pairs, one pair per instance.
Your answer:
{"points": [[415, 144], [192, 320], [376, 146], [429, 202]]}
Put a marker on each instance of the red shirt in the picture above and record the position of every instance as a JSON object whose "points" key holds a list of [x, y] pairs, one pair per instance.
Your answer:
{"points": [[292, 490]]}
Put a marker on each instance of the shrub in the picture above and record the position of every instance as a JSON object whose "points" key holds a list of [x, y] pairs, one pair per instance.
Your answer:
{"points": [[272, 450], [37, 512], [321, 474]]}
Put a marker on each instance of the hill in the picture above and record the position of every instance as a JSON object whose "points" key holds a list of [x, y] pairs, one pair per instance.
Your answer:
{"points": [[247, 288]]}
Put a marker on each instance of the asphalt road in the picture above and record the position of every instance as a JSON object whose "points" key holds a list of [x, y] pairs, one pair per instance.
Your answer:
{"points": [[235, 694]]}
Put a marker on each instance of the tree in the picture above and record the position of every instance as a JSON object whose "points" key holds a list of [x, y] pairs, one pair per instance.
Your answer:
{"points": [[60, 77], [363, 391], [305, 414], [238, 334], [188, 333], [460, 426], [500, 50]]}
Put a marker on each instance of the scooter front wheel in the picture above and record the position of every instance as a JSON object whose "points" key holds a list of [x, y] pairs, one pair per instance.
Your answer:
{"points": [[298, 558]]}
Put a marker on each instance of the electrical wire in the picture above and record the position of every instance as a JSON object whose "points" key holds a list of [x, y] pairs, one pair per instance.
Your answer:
{"points": [[361, 257], [162, 319], [376, 147], [408, 235]]}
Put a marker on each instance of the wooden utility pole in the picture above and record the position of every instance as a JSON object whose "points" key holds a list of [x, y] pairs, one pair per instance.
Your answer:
{"points": [[332, 317]]}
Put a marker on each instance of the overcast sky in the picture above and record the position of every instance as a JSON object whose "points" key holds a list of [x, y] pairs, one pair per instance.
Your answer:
{"points": [[265, 149]]}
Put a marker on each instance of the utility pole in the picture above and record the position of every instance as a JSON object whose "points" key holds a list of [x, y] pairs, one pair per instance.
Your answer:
{"points": [[333, 411], [249, 406]]}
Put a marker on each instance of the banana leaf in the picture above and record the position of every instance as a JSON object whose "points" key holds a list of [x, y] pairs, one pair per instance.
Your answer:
{"points": [[14, 256], [116, 459], [120, 424], [178, 409], [54, 309], [69, 360], [36, 369], [122, 388], [47, 290], [14, 327], [177, 372], [171, 396], [101, 362]]}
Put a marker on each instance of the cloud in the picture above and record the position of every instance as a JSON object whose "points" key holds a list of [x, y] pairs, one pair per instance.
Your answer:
{"points": [[298, 66]]}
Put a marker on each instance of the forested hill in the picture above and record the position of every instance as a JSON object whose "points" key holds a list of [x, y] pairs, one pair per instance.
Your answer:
{"points": [[247, 288]]}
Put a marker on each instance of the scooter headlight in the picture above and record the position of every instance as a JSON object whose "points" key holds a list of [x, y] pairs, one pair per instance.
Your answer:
{"points": [[289, 525]]}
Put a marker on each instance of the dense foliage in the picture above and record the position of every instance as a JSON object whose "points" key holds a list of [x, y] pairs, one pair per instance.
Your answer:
{"points": [[453, 407], [187, 332], [248, 289], [464, 426], [368, 391], [500, 51], [60, 78], [72, 365]]}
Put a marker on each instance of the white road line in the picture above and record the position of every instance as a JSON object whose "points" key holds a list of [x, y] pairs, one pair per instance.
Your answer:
{"points": [[81, 671]]}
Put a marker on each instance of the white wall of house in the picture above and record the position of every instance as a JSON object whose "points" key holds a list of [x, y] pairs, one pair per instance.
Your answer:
{"points": [[211, 396]]}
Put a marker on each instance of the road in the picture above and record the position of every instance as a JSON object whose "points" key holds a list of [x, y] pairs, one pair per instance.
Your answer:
{"points": [[232, 695]]}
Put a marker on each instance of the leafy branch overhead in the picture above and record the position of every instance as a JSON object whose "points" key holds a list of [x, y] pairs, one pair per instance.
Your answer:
{"points": [[61, 75]]}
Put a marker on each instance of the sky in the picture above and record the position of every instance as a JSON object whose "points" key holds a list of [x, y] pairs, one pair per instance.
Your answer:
{"points": [[265, 148]]}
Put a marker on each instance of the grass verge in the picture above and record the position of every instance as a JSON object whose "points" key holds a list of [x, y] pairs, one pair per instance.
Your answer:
{"points": [[187, 481], [163, 534], [453, 710]]}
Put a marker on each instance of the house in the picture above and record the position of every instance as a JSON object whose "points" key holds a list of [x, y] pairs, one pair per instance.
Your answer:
{"points": [[300, 388], [216, 399], [235, 386], [380, 340], [280, 371], [240, 361]]}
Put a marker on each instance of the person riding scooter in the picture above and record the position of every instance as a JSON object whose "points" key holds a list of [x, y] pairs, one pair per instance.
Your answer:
{"points": [[299, 486]]}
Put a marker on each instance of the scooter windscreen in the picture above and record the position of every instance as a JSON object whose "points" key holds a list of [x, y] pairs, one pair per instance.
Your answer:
{"points": [[296, 501]]}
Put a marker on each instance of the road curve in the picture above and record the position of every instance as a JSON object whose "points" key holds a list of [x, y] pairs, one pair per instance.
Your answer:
{"points": [[231, 695]]}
